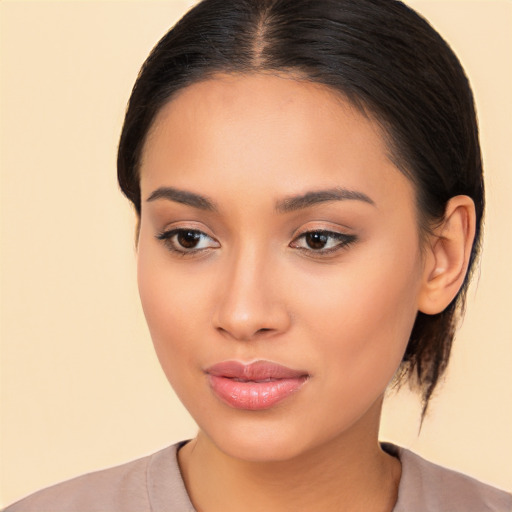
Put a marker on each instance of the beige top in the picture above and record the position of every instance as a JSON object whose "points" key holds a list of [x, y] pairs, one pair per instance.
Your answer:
{"points": [[154, 484]]}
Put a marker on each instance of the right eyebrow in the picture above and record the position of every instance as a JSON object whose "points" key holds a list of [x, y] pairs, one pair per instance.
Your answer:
{"points": [[315, 197], [183, 197]]}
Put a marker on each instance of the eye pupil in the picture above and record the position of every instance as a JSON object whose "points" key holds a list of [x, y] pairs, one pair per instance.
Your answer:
{"points": [[316, 240], [188, 239]]}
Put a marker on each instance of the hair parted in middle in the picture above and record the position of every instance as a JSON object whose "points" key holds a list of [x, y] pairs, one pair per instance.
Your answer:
{"points": [[380, 55]]}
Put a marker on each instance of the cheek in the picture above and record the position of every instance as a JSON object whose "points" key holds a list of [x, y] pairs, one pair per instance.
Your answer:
{"points": [[168, 297], [363, 314]]}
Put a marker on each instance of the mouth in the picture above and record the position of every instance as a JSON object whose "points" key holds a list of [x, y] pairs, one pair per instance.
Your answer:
{"points": [[256, 386]]}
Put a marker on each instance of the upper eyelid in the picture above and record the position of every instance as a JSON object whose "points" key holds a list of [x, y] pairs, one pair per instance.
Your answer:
{"points": [[340, 231], [186, 226], [297, 234], [344, 240], [168, 233], [176, 229], [166, 237], [320, 230], [333, 234]]}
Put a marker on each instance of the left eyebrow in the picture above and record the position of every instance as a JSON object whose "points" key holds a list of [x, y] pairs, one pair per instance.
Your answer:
{"points": [[293, 203], [183, 197]]}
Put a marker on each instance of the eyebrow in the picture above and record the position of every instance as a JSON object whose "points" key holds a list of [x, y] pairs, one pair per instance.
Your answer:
{"points": [[183, 197], [288, 204], [308, 199]]}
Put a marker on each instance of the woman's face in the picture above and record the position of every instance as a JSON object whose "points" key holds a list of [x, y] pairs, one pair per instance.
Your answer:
{"points": [[276, 230]]}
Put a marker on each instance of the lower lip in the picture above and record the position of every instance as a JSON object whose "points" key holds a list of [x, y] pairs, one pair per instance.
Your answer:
{"points": [[254, 395]]}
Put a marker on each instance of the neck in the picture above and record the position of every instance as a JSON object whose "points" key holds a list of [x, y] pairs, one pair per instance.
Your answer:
{"points": [[349, 472]]}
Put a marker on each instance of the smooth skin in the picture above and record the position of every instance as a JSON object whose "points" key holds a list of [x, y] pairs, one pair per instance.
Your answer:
{"points": [[241, 258]]}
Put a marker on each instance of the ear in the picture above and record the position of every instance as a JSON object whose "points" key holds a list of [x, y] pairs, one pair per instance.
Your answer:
{"points": [[447, 256]]}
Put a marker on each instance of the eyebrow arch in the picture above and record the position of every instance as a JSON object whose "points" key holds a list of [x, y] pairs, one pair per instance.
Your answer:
{"points": [[183, 197], [312, 198]]}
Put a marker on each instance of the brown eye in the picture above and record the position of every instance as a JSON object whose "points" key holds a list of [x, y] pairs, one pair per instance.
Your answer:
{"points": [[188, 239], [322, 242], [316, 240]]}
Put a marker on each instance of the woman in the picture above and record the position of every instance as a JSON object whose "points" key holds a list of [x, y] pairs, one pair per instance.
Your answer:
{"points": [[308, 183]]}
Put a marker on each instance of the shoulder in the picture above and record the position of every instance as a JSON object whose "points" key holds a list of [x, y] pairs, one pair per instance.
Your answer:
{"points": [[425, 486], [123, 488]]}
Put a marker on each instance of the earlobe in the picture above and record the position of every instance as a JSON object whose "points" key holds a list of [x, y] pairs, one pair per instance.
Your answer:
{"points": [[448, 255]]}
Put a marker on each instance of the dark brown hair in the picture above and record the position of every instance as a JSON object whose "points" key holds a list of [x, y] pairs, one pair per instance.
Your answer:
{"points": [[383, 57]]}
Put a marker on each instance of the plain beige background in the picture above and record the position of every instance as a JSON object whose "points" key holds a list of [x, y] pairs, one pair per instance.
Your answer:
{"points": [[81, 387]]}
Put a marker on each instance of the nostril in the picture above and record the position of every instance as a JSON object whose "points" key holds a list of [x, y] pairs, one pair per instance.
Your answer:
{"points": [[244, 321], [246, 336], [263, 331]]}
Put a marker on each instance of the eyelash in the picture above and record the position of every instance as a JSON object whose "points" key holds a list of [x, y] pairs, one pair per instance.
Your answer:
{"points": [[344, 240], [167, 237]]}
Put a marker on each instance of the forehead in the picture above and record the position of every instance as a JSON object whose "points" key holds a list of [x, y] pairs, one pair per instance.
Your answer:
{"points": [[266, 130], [258, 100]]}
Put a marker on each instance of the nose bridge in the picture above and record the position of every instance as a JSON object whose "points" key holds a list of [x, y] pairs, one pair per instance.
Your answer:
{"points": [[250, 303]]}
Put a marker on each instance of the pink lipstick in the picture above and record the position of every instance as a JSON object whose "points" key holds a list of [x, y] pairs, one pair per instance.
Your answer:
{"points": [[255, 386]]}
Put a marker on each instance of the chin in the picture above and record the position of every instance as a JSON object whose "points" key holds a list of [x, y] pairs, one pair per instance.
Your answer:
{"points": [[257, 437], [258, 450]]}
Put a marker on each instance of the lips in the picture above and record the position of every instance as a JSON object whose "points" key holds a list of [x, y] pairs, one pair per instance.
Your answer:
{"points": [[254, 386]]}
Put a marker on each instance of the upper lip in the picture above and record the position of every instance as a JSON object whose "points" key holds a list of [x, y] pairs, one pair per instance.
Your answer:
{"points": [[257, 371]]}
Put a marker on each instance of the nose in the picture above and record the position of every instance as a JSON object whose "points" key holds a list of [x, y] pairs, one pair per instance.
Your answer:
{"points": [[251, 301]]}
